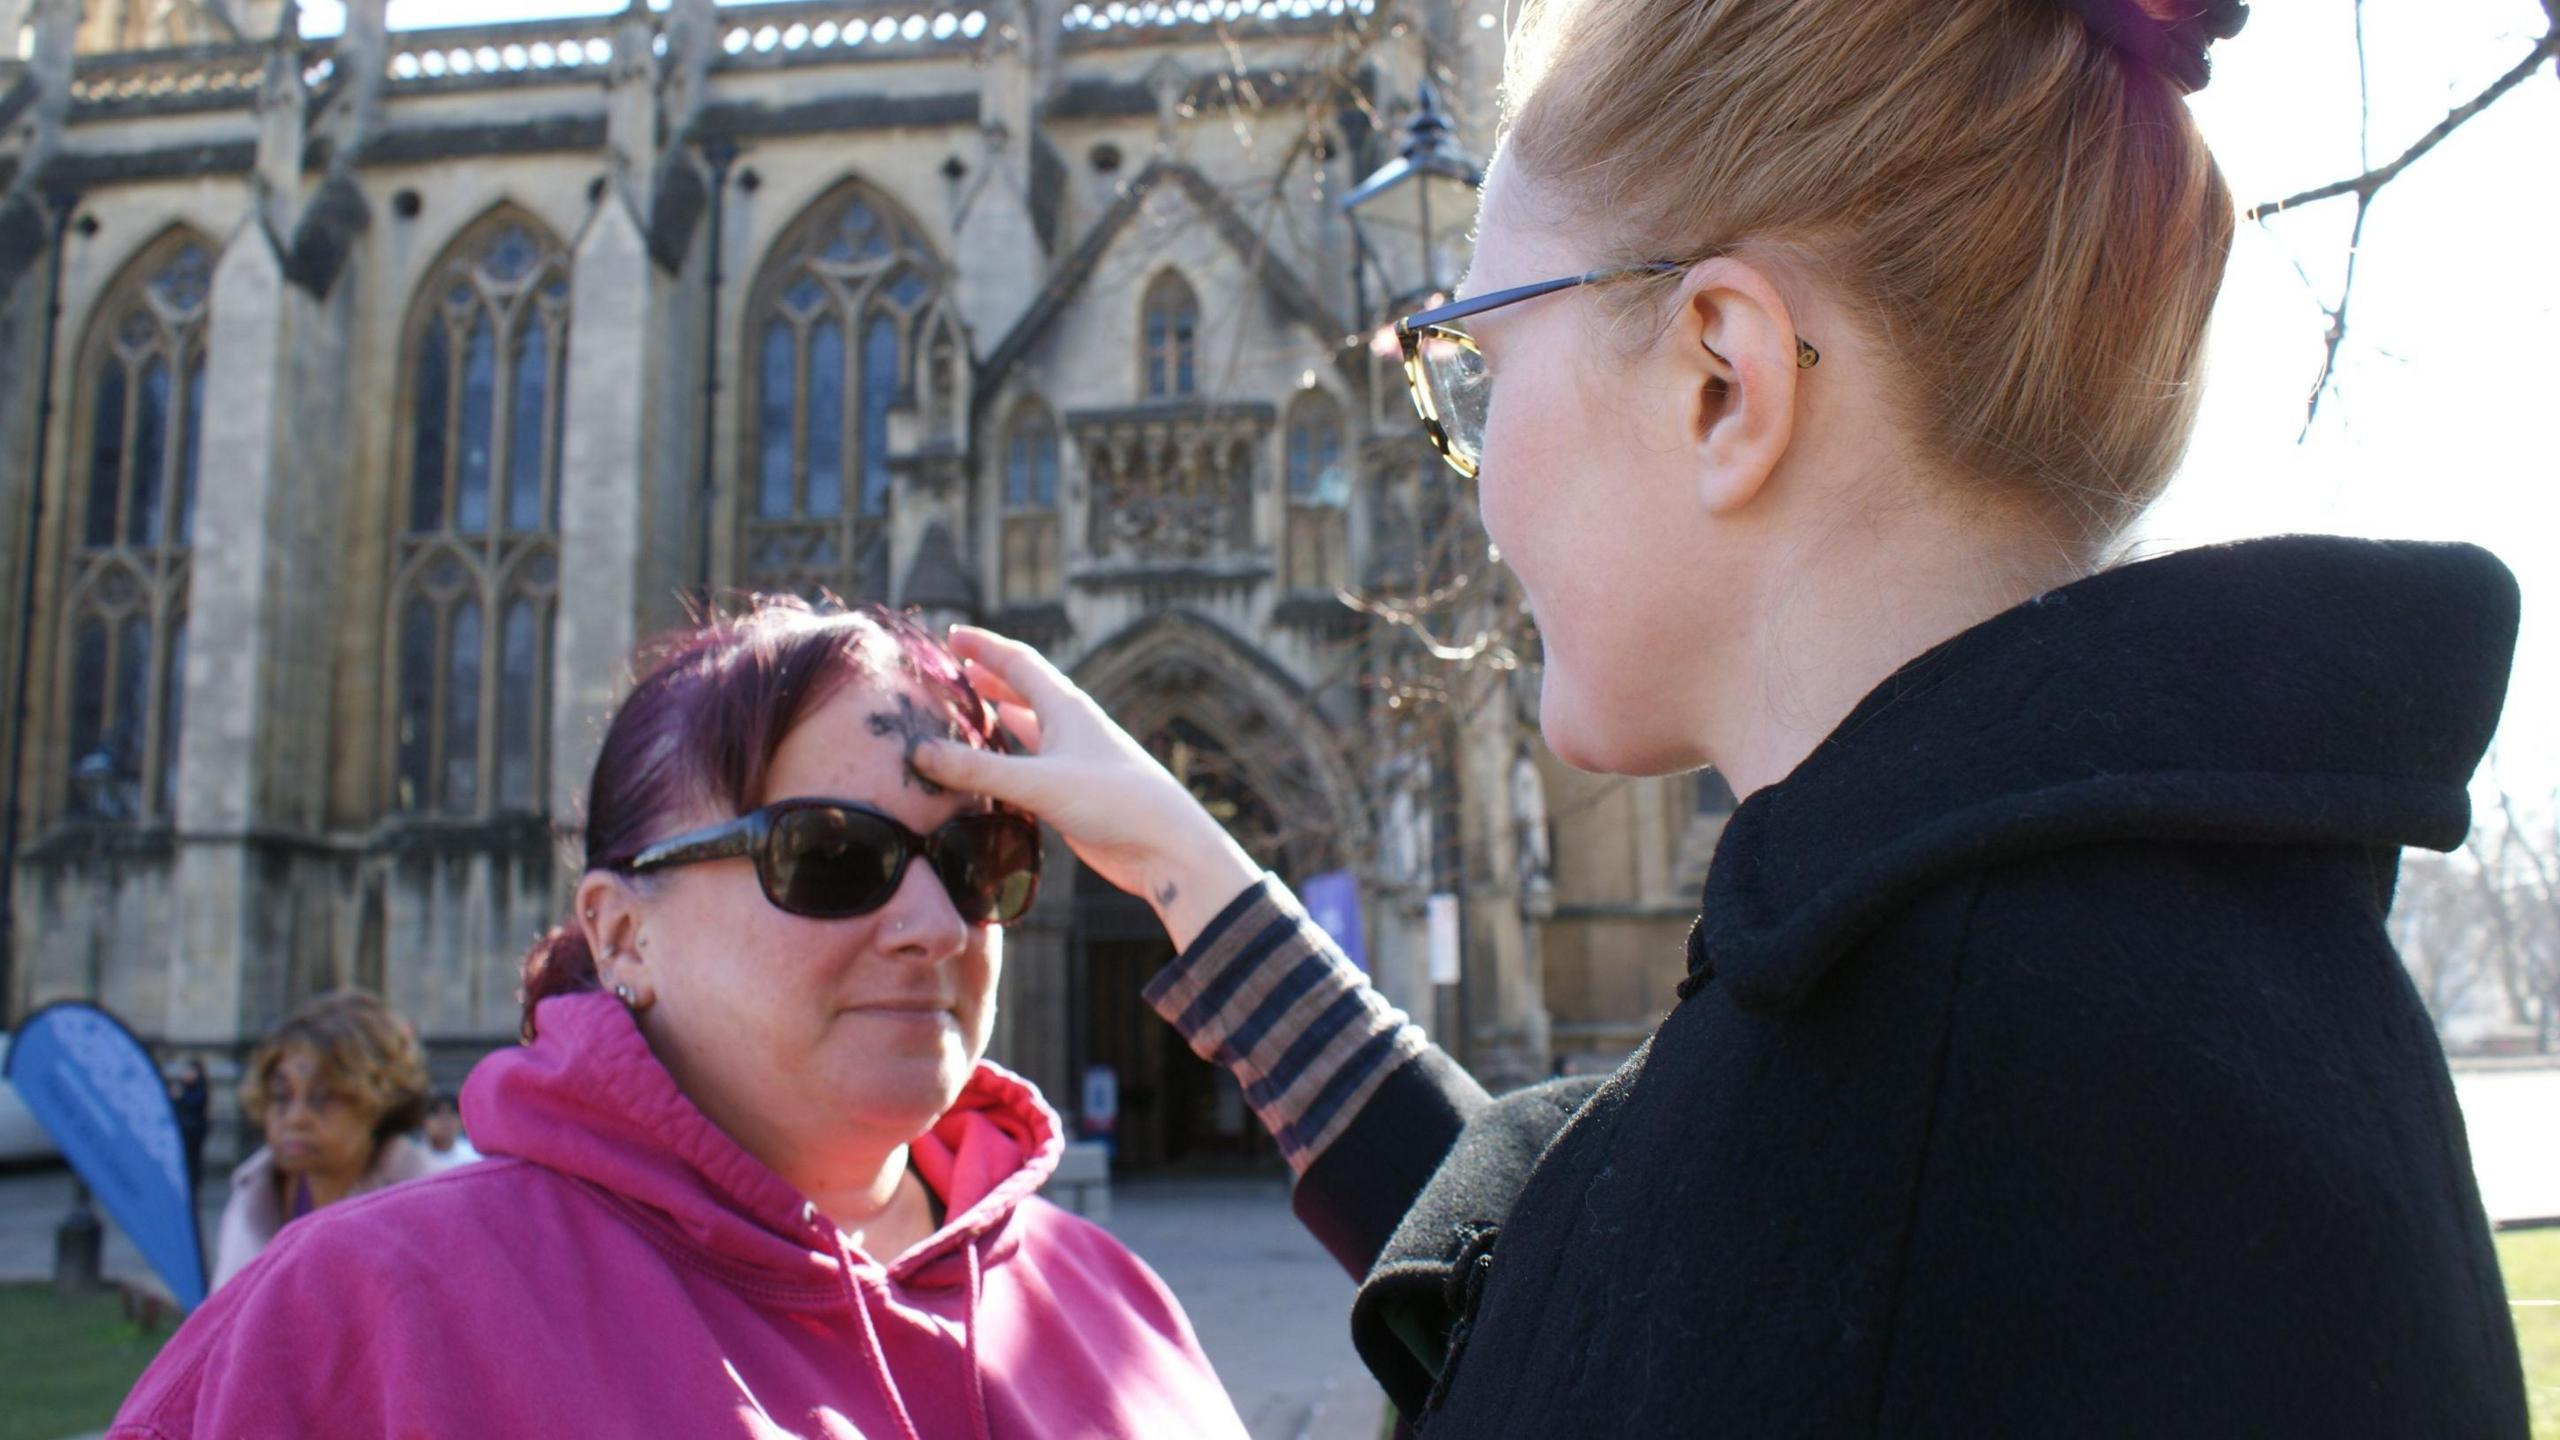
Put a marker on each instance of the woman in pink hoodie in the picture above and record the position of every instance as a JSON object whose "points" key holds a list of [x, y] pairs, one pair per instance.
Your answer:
{"points": [[749, 1174]]}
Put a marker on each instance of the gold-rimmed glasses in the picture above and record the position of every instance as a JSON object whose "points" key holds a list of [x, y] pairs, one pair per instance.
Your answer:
{"points": [[1446, 372]]}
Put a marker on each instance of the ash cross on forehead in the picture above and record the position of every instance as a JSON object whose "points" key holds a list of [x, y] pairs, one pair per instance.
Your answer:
{"points": [[914, 726]]}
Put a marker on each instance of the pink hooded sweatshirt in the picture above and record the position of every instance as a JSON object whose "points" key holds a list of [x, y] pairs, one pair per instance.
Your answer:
{"points": [[619, 1267]]}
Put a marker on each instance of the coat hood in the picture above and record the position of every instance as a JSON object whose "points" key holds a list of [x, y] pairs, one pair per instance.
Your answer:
{"points": [[2307, 690], [589, 1099]]}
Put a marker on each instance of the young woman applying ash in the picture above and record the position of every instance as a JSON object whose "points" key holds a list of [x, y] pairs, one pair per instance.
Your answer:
{"points": [[2042, 1066]]}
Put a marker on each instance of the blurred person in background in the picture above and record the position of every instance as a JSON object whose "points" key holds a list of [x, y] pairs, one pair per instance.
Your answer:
{"points": [[337, 1088], [190, 1100], [444, 1142]]}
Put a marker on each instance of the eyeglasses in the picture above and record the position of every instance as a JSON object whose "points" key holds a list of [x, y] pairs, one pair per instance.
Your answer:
{"points": [[835, 859], [1446, 373]]}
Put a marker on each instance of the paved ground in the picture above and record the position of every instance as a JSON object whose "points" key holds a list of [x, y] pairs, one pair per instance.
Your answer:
{"points": [[1272, 1308]]}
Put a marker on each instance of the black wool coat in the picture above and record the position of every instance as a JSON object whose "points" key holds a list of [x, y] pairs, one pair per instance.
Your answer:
{"points": [[2042, 1068]]}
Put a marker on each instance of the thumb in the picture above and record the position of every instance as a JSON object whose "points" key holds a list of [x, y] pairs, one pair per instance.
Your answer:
{"points": [[1008, 779]]}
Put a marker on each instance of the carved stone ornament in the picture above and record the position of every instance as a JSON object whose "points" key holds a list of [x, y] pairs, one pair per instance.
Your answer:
{"points": [[1174, 487]]}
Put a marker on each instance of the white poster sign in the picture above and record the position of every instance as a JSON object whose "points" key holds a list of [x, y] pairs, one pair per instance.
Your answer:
{"points": [[1441, 914]]}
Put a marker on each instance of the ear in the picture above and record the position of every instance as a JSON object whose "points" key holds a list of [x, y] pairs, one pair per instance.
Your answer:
{"points": [[1735, 342], [611, 913]]}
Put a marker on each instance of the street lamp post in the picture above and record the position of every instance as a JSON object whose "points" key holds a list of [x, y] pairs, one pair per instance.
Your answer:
{"points": [[1405, 219], [1399, 214]]}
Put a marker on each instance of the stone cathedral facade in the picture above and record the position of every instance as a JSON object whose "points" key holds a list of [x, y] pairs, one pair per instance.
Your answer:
{"points": [[365, 399]]}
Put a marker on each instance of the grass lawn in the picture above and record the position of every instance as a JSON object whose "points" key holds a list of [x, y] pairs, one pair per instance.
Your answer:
{"points": [[68, 1362], [2531, 1259]]}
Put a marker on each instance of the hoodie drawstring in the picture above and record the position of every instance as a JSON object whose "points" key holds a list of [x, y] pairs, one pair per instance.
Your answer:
{"points": [[873, 1350], [969, 1329]]}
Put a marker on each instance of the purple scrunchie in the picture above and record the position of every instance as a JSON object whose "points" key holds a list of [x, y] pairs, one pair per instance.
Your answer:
{"points": [[2180, 47]]}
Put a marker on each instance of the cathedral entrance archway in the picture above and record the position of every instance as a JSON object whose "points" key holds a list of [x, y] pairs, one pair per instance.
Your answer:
{"points": [[1247, 743]]}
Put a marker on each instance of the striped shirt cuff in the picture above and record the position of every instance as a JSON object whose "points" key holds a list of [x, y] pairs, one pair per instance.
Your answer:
{"points": [[1266, 993]]}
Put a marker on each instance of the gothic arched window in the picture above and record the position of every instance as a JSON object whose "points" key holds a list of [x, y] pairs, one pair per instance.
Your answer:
{"points": [[1172, 338], [1319, 494], [478, 580], [835, 326], [133, 500], [1031, 505]]}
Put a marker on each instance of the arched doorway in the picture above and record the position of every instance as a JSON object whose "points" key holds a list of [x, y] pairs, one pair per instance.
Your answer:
{"points": [[1248, 744]]}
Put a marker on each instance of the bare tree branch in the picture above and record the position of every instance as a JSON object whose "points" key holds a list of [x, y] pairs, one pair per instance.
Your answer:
{"points": [[2337, 334], [2372, 180], [2368, 184]]}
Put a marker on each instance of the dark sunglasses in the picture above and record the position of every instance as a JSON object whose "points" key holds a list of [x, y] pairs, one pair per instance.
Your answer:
{"points": [[835, 859]]}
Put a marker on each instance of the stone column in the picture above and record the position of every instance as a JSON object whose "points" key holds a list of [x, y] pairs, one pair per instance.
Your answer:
{"points": [[264, 586], [605, 464], [613, 470], [244, 448], [996, 246], [1506, 1019]]}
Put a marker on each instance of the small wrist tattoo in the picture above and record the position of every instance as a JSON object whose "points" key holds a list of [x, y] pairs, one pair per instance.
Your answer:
{"points": [[1167, 893]]}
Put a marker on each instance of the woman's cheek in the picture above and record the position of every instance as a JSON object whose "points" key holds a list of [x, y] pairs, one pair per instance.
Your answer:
{"points": [[1499, 488], [981, 976]]}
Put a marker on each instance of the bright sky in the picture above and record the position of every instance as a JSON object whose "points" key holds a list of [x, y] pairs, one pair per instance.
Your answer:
{"points": [[2441, 427]]}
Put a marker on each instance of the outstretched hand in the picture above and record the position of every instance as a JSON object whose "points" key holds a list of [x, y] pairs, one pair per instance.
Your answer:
{"points": [[1123, 814]]}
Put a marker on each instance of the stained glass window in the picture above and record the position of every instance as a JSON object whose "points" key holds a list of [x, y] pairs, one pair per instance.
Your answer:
{"points": [[415, 742], [462, 687], [190, 455], [826, 419], [487, 386], [173, 696], [879, 393], [1172, 338], [835, 318], [528, 436], [1319, 495], [773, 426], [1031, 461], [125, 607], [142, 513], [1031, 506], [479, 386], [519, 688], [433, 416], [106, 456]]}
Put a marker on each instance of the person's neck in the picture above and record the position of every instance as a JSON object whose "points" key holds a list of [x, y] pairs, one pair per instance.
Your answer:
{"points": [[869, 1195], [1848, 608], [326, 1188]]}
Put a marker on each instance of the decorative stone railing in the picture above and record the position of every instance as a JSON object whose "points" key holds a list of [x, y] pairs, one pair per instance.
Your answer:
{"points": [[748, 37], [1171, 482], [531, 50], [210, 76], [823, 31], [1140, 18]]}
